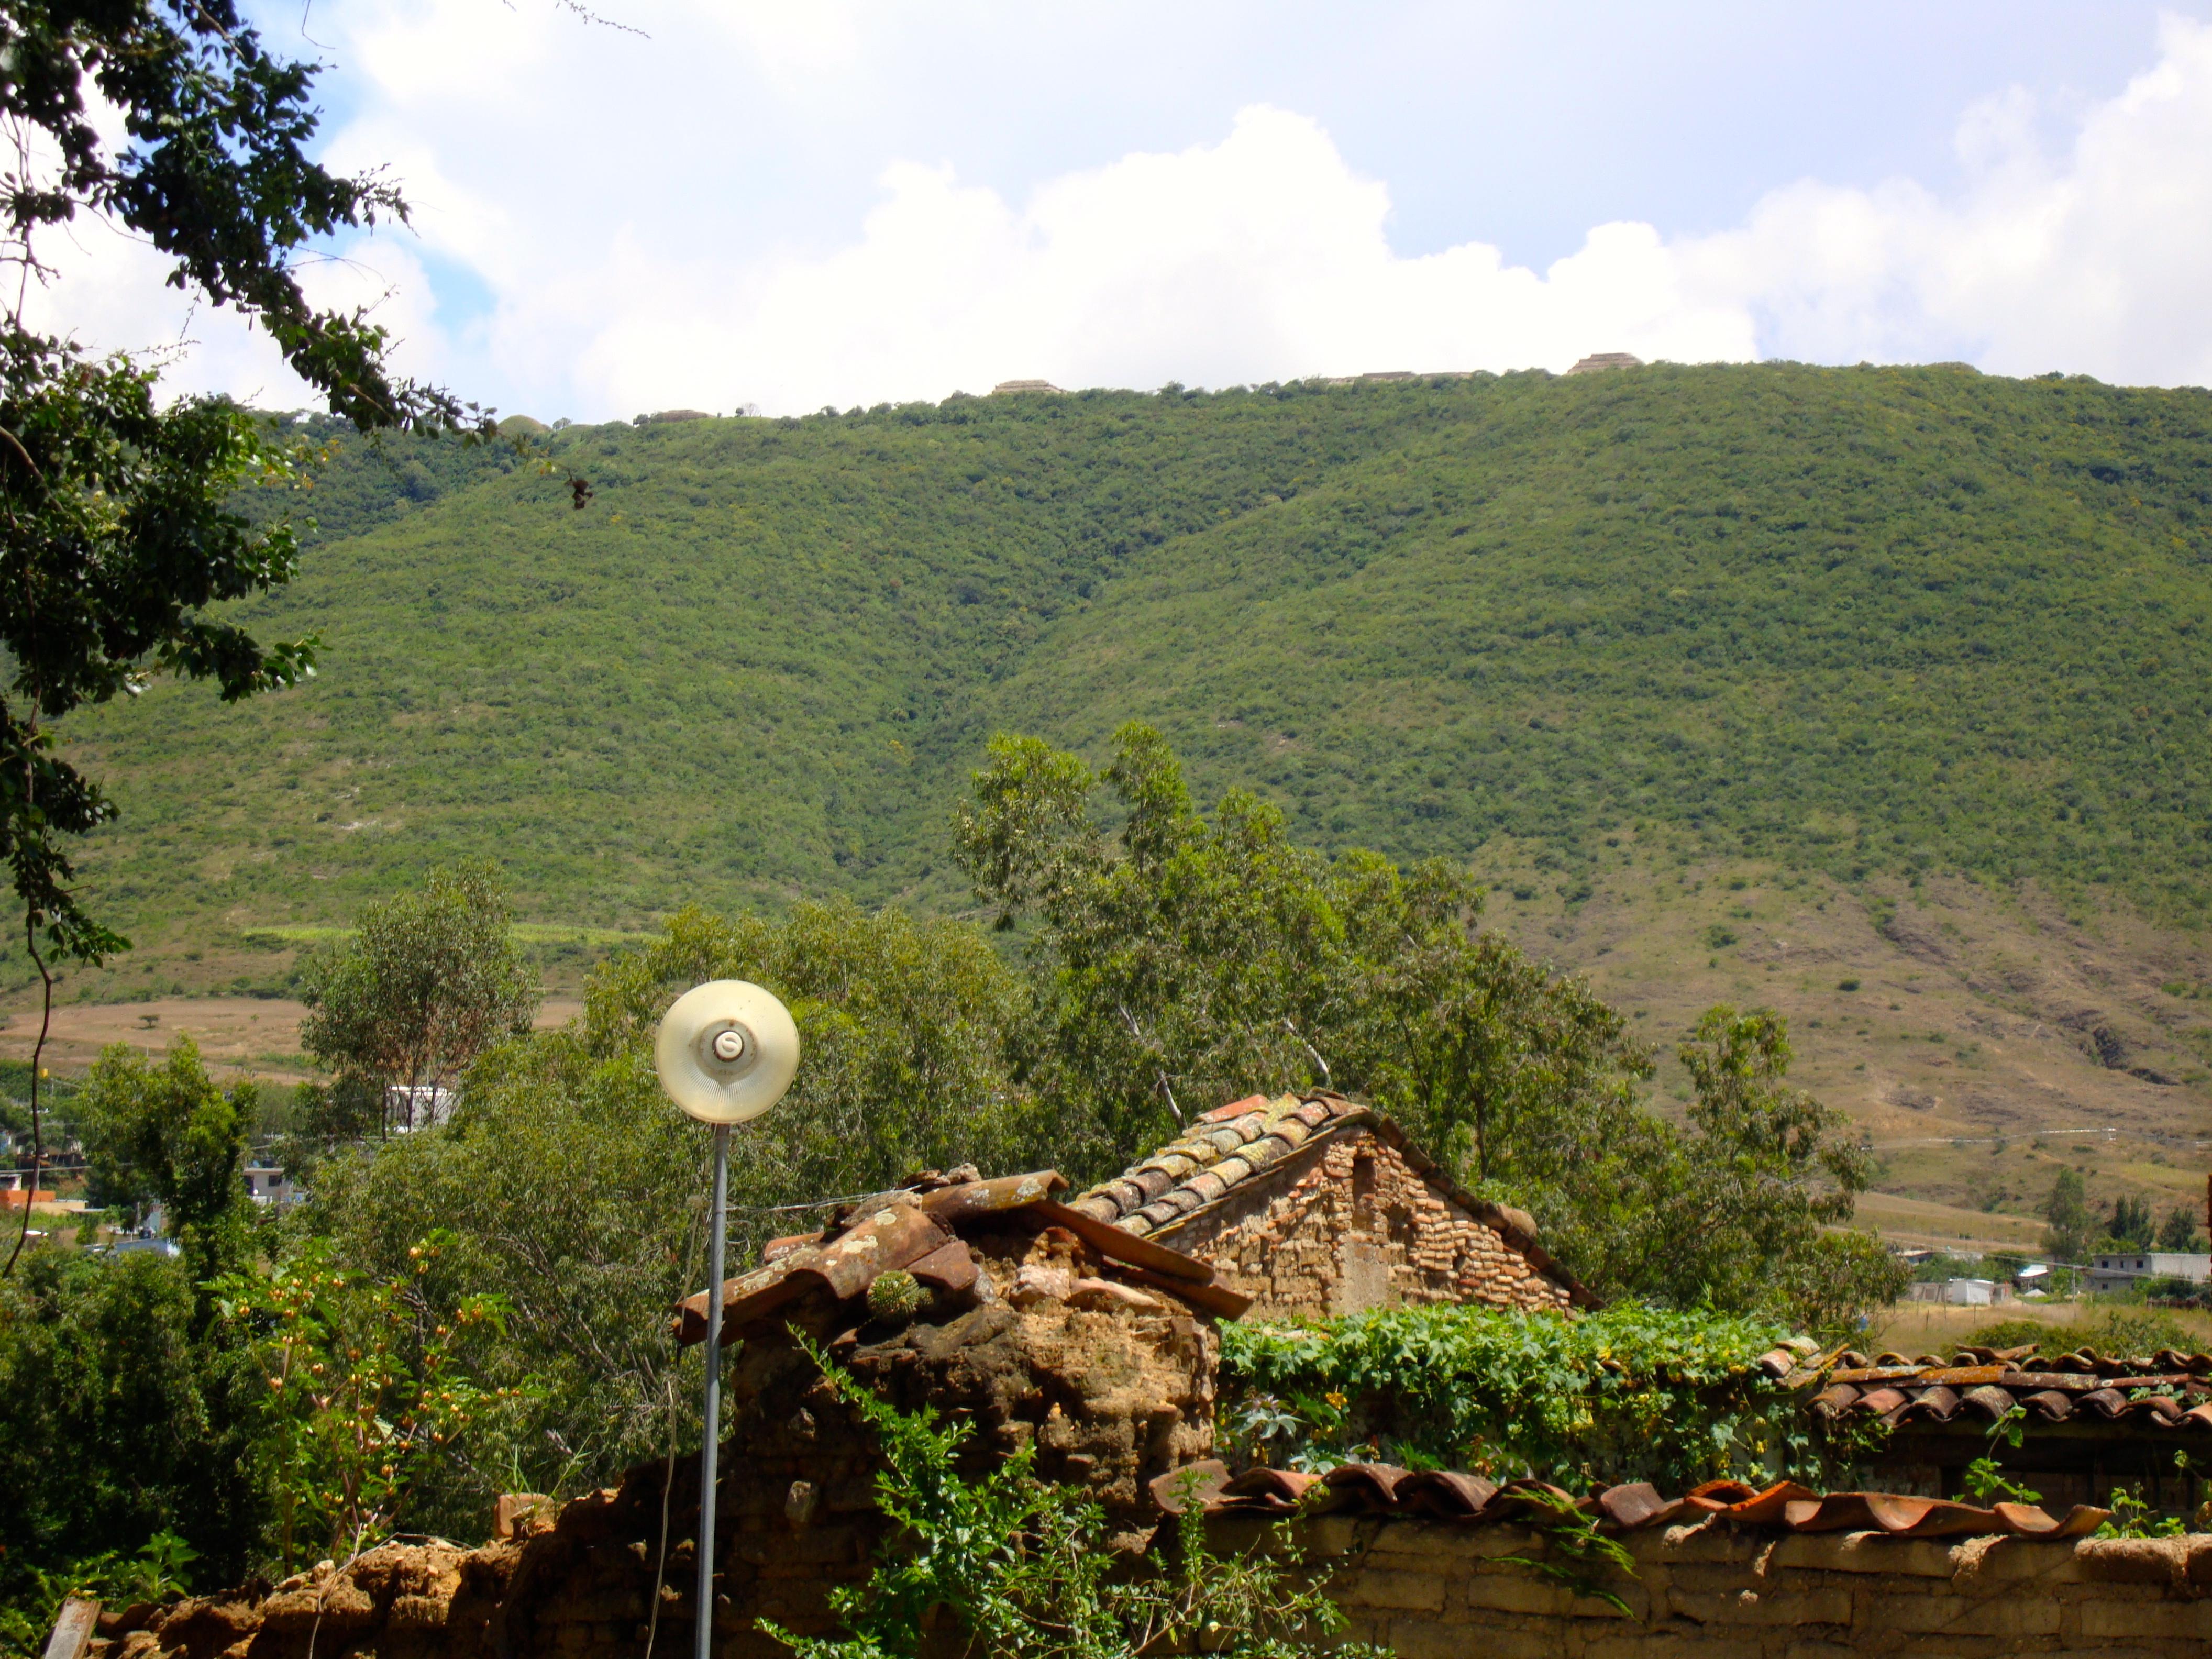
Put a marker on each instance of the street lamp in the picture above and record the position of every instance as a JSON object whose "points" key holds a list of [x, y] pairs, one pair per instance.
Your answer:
{"points": [[726, 1053]]}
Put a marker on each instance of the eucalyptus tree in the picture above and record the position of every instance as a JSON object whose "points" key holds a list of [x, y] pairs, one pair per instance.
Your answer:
{"points": [[1177, 963], [429, 981]]}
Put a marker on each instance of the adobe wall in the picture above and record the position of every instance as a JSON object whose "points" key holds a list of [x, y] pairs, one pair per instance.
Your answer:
{"points": [[582, 1590], [1436, 1591], [1359, 1228]]}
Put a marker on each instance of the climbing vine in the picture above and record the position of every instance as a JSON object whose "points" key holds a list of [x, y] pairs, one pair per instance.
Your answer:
{"points": [[1627, 1394]]}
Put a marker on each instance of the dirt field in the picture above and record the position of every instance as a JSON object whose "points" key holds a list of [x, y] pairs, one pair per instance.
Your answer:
{"points": [[1913, 1329], [237, 1036]]}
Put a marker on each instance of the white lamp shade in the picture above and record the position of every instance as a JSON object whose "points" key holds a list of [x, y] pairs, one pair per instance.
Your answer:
{"points": [[693, 1051]]}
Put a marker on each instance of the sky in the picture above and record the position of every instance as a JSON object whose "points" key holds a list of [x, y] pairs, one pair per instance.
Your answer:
{"points": [[790, 205]]}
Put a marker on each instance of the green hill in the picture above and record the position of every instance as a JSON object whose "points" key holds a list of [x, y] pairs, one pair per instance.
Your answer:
{"points": [[1862, 620], [1880, 695]]}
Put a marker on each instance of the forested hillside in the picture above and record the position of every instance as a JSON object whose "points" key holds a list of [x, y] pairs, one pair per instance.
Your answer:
{"points": [[1863, 620]]}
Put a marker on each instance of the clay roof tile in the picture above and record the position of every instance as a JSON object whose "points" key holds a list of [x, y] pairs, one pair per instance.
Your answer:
{"points": [[1234, 1109], [1232, 1169], [1150, 1182]]}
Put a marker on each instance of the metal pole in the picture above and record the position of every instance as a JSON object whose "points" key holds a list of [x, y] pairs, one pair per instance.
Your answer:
{"points": [[703, 1642]]}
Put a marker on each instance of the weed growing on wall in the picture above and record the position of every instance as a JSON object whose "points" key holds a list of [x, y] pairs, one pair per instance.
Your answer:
{"points": [[1022, 1568]]}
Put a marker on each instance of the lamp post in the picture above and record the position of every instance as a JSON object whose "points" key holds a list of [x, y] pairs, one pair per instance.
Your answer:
{"points": [[726, 1053]]}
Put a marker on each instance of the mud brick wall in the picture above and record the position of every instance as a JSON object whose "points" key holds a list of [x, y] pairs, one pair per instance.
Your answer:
{"points": [[580, 1588], [1433, 1591], [1357, 1229]]}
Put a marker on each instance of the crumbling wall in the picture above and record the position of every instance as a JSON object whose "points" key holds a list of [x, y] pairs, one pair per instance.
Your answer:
{"points": [[1111, 1385], [1359, 1228], [579, 1588]]}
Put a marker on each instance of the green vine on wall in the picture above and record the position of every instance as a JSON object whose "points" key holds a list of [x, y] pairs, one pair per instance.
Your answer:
{"points": [[1630, 1393]]}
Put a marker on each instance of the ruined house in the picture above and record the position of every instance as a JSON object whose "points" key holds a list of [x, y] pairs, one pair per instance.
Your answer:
{"points": [[1314, 1204], [1091, 1341]]}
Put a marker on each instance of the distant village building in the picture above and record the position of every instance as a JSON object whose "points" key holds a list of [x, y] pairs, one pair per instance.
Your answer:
{"points": [[1315, 1204], [16, 1190], [267, 1184], [2120, 1268], [1960, 1292], [416, 1106], [1026, 386], [1597, 363]]}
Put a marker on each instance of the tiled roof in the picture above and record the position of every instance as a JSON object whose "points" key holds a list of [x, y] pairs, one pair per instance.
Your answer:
{"points": [[2165, 1390], [919, 1228], [1232, 1147], [1383, 1490]]}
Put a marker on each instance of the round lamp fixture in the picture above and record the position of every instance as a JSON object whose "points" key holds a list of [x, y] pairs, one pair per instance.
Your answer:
{"points": [[727, 1051]]}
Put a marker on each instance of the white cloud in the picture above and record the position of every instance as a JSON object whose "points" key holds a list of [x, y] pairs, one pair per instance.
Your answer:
{"points": [[1263, 256], [2094, 262]]}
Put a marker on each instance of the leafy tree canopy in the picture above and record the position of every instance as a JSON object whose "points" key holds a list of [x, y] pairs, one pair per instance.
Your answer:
{"points": [[432, 979], [167, 1133], [2131, 1226], [2180, 1231], [2072, 1228], [1178, 963], [116, 520], [572, 1186]]}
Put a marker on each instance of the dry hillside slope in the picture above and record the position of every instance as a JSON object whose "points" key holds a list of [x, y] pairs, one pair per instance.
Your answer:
{"points": [[1986, 1038]]}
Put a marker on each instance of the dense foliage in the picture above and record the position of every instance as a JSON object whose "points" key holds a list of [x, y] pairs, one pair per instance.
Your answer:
{"points": [[365, 1390], [1863, 619], [1178, 962], [573, 1189], [1628, 1393], [1007, 1567], [167, 1134], [113, 1371]]}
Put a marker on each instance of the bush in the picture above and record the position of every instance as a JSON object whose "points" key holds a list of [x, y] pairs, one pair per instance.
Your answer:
{"points": [[2129, 1332], [119, 1419]]}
